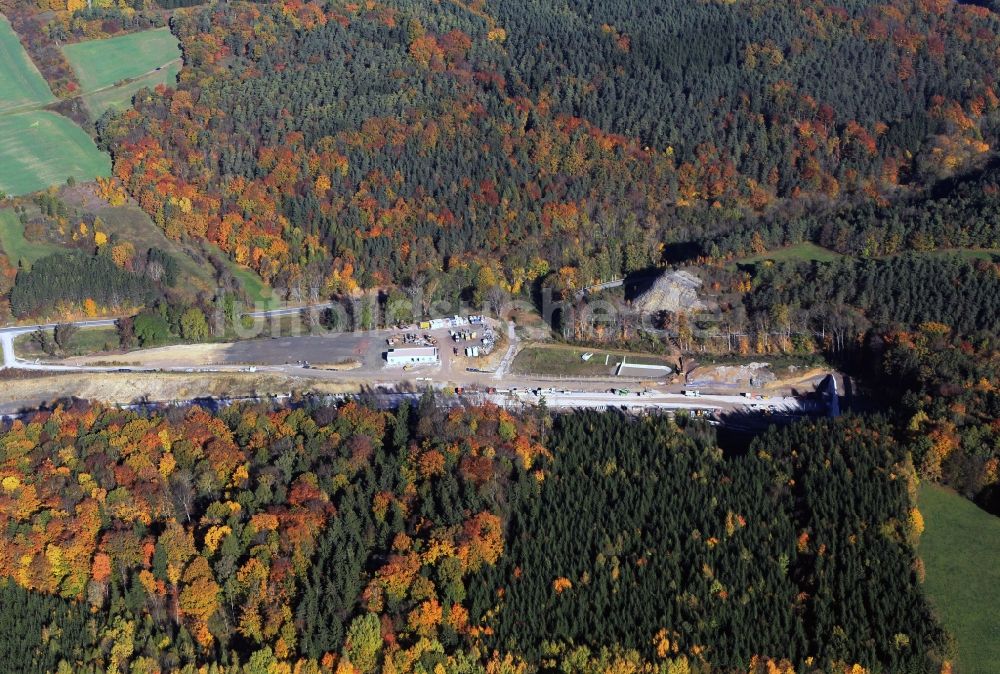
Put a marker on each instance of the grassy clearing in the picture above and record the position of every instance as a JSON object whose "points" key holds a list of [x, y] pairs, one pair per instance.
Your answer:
{"points": [[258, 291], [120, 97], [85, 342], [131, 223], [806, 252], [15, 246], [102, 63], [960, 548], [40, 148], [800, 252], [21, 85], [558, 360]]}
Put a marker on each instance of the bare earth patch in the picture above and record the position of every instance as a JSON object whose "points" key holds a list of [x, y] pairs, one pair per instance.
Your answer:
{"points": [[756, 376], [343, 366], [156, 386], [180, 355]]}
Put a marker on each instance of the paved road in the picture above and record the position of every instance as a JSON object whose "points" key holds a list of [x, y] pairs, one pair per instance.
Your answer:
{"points": [[645, 399], [8, 335], [288, 311], [714, 407]]}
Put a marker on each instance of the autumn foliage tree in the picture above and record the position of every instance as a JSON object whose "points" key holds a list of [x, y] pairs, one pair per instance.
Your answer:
{"points": [[509, 146]]}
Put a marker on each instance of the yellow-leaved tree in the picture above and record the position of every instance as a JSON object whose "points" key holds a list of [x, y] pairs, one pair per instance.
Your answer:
{"points": [[199, 599]]}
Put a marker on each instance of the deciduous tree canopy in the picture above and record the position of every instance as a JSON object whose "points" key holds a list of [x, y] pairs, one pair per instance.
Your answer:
{"points": [[350, 539], [392, 139]]}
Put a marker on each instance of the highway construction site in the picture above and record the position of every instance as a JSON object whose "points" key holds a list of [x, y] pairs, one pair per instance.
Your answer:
{"points": [[475, 361]]}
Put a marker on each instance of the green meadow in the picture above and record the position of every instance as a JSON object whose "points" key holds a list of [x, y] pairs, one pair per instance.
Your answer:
{"points": [[800, 252], [120, 97], [21, 85], [960, 548], [103, 63], [40, 148], [13, 243]]}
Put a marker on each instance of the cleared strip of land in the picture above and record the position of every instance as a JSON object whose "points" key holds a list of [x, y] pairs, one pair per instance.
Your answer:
{"points": [[800, 252]]}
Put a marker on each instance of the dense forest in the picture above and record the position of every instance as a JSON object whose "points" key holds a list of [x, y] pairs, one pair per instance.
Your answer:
{"points": [[907, 291], [916, 331], [948, 404], [919, 331], [640, 530], [385, 143], [954, 213], [76, 279], [318, 538]]}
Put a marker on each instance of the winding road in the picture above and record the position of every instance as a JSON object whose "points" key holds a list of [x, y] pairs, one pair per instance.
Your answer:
{"points": [[10, 359]]}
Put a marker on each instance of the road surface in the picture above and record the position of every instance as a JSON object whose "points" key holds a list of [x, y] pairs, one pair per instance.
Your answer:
{"points": [[508, 357], [590, 290], [8, 335], [644, 400]]}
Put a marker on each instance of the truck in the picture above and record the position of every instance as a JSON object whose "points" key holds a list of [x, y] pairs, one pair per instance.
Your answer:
{"points": [[691, 393]]}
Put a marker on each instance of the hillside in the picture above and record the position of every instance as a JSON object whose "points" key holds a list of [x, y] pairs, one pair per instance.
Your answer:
{"points": [[385, 143]]}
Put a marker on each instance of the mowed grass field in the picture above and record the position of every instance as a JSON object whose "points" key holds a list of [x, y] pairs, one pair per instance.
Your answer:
{"points": [[41, 148], [102, 63], [21, 85], [37, 148], [120, 97], [960, 548]]}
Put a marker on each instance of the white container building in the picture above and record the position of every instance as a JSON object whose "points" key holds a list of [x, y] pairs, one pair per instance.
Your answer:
{"points": [[422, 355]]}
